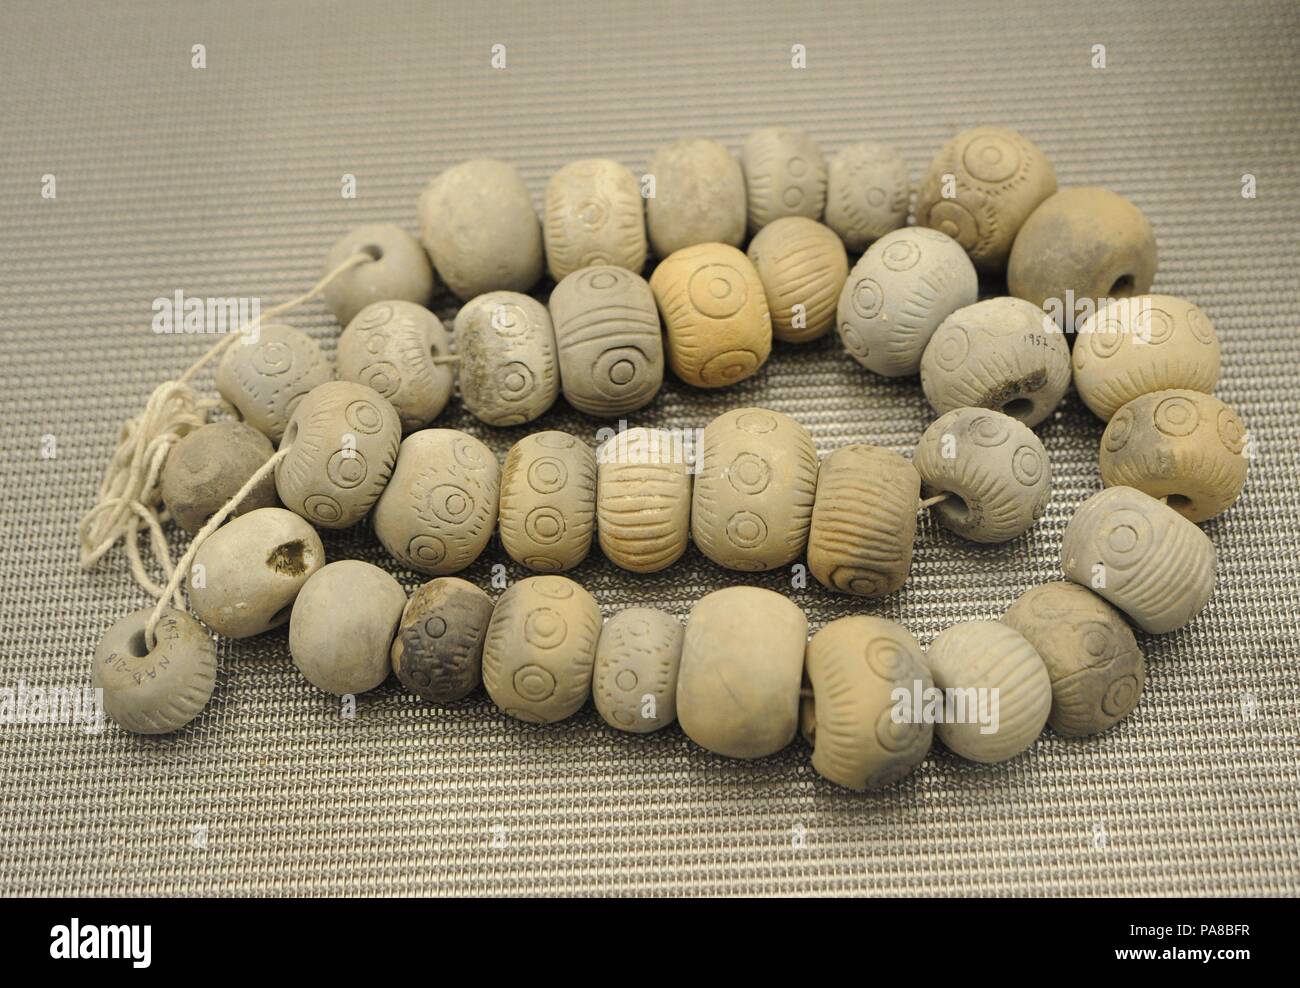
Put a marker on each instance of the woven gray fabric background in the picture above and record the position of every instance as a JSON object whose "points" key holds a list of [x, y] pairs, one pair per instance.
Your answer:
{"points": [[225, 181]]}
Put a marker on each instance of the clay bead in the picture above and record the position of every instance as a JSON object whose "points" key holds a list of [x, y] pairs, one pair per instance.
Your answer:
{"points": [[1092, 658], [754, 487], [1142, 556], [438, 651], [439, 509], [246, 574], [634, 683], [998, 178], [643, 500], [1002, 353], [898, 293], [699, 196], [594, 215], [742, 660], [1003, 668], [785, 175], [548, 501], [867, 194], [342, 626], [995, 467], [540, 649], [1133, 346], [864, 521], [1183, 447], [715, 315], [802, 266], [611, 351], [267, 378], [509, 372], [400, 271], [478, 224], [391, 347], [207, 468], [1085, 243], [158, 690], [342, 444], [854, 666]]}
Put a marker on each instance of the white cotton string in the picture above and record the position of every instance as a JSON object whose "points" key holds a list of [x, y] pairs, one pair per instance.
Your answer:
{"points": [[930, 502], [130, 493]]}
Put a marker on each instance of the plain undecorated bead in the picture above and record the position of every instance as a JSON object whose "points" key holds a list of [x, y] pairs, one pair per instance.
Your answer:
{"points": [[754, 488], [1092, 658], [997, 177], [898, 293], [854, 666], [699, 196], [158, 690], [509, 370], [438, 650], [540, 649], [864, 521], [1133, 346], [594, 215], [267, 378], [998, 662], [1182, 446], [246, 574], [478, 224], [1002, 353], [634, 683], [399, 271], [643, 500], [343, 624], [802, 266], [715, 315], [995, 467], [785, 175], [611, 351], [867, 193], [1142, 556], [1084, 243], [742, 661], [548, 501], [342, 443], [392, 347], [208, 467], [439, 509]]}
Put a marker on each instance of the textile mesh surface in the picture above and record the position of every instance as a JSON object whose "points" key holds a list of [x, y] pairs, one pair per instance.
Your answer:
{"points": [[226, 180]]}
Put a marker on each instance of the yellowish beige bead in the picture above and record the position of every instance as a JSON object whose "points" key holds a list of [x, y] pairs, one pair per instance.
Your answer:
{"points": [[548, 501], [1133, 346], [594, 215], [1182, 447], [715, 313], [862, 736], [754, 487], [864, 521], [643, 500], [802, 266]]}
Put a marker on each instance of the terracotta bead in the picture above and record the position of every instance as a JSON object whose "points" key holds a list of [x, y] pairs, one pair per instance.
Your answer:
{"points": [[438, 650], [634, 683], [400, 271], [548, 501], [785, 175], [754, 487], [856, 666], [997, 177], [1137, 345], [439, 509], [208, 467], [594, 215], [699, 196], [392, 347], [864, 521], [1142, 556], [715, 314], [342, 443], [540, 649], [509, 371], [1003, 353], [266, 379], [643, 500], [738, 685], [802, 266], [867, 194]]}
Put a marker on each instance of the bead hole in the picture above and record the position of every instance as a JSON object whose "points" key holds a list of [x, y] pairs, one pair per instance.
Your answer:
{"points": [[1179, 502], [1123, 286], [280, 616], [374, 250], [1018, 408], [955, 507], [136, 645]]}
